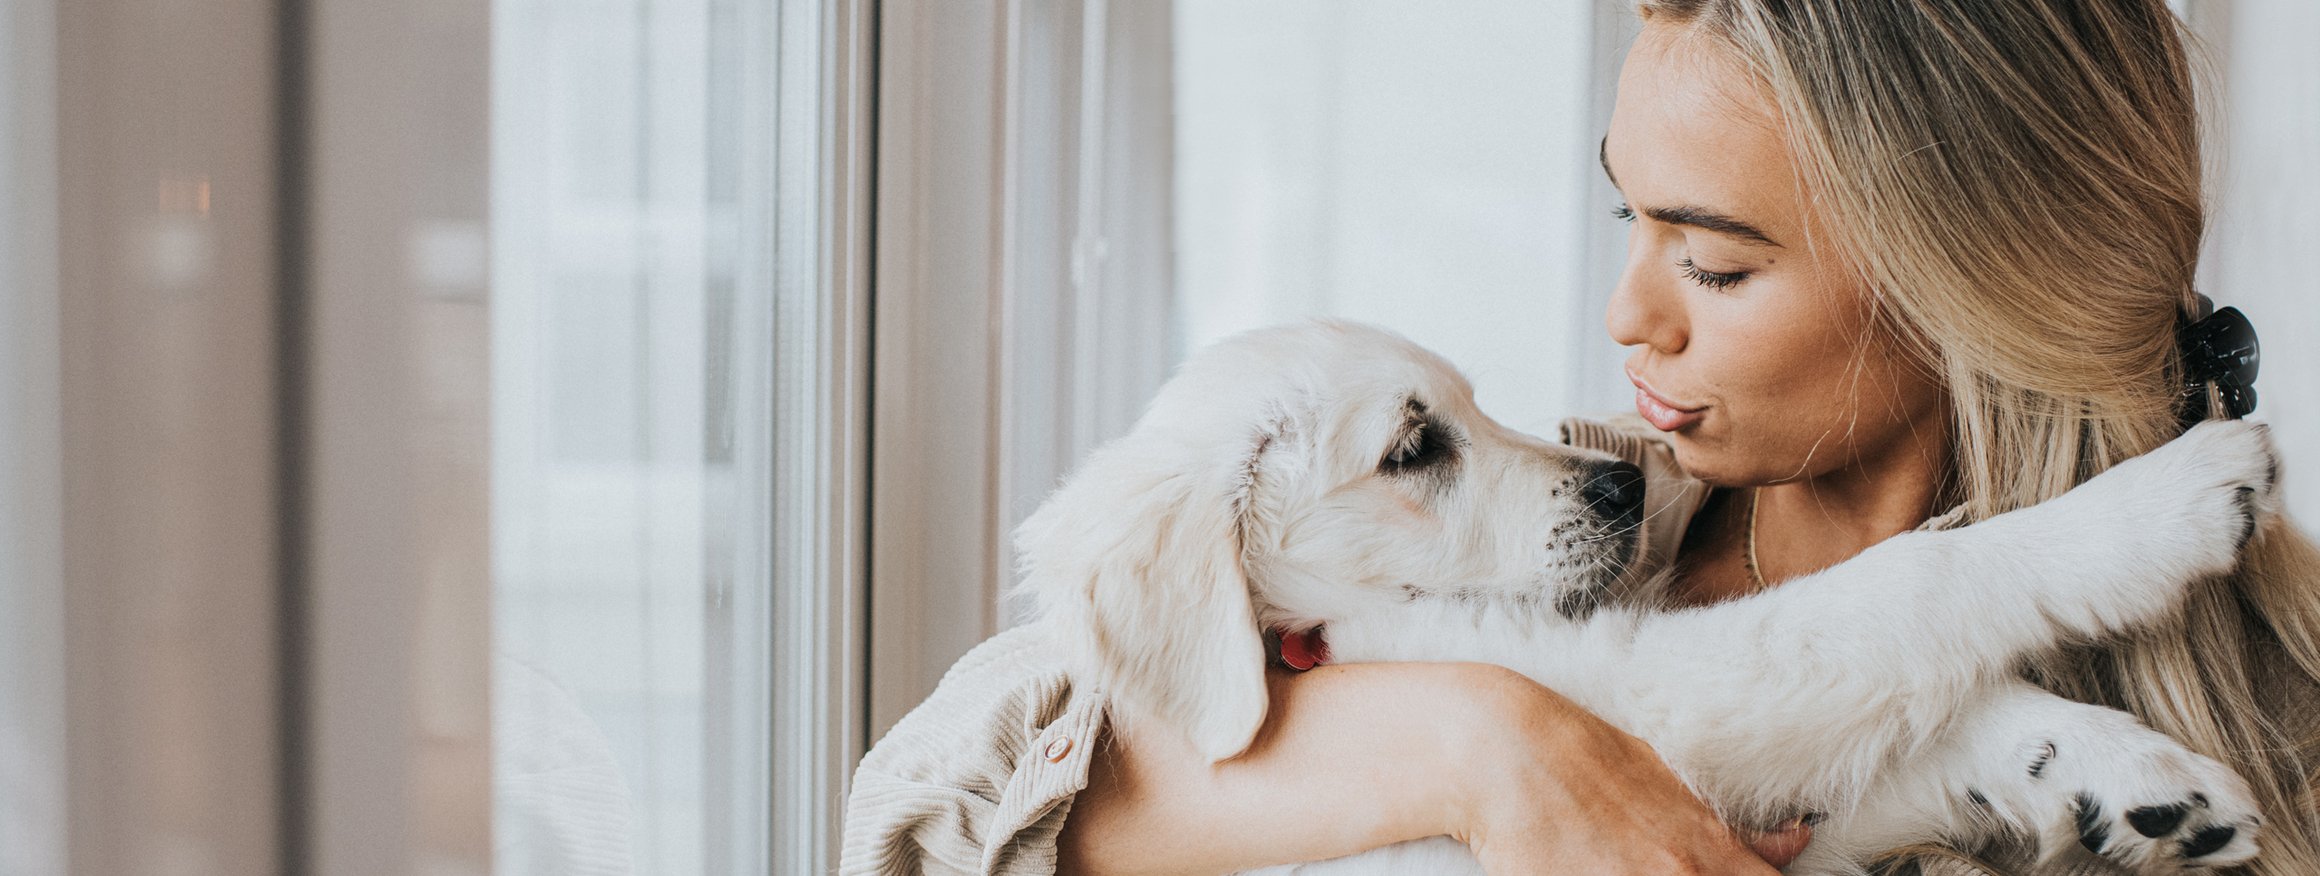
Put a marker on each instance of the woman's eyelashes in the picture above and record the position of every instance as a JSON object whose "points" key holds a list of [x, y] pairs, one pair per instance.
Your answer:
{"points": [[1717, 280]]}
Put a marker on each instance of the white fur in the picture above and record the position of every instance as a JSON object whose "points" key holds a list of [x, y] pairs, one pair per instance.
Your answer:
{"points": [[1251, 496]]}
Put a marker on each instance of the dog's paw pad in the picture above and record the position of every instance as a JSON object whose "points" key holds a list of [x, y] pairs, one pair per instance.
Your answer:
{"points": [[2093, 832], [2040, 757], [2137, 798], [2208, 840], [2157, 821], [2164, 837]]}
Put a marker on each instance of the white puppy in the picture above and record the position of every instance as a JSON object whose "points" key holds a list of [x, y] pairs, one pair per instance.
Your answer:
{"points": [[1338, 478]]}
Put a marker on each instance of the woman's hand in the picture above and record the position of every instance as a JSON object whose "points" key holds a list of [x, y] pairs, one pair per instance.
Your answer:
{"points": [[1361, 756], [1562, 792]]}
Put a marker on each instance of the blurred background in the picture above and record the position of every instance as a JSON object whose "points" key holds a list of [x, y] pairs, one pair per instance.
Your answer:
{"points": [[558, 436]]}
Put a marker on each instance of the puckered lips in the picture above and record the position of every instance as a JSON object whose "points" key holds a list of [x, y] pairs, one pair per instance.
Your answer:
{"points": [[1662, 414]]}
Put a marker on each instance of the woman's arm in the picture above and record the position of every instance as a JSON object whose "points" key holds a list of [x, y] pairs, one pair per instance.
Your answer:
{"points": [[1355, 757]]}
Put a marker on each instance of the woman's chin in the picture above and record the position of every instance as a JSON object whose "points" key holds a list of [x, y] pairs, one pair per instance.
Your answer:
{"points": [[1707, 459]]}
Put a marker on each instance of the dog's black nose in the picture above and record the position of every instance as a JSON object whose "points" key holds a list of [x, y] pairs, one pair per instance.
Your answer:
{"points": [[1614, 490]]}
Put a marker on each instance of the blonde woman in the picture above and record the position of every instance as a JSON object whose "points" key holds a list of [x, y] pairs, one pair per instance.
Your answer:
{"points": [[1891, 261]]}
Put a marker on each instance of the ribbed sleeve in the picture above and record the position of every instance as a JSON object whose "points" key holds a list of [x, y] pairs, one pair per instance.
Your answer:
{"points": [[978, 778]]}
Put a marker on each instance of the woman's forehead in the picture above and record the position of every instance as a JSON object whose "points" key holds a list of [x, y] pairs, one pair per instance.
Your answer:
{"points": [[1693, 127]]}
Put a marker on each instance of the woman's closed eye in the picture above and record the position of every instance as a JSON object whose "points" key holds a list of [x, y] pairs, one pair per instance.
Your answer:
{"points": [[1718, 280]]}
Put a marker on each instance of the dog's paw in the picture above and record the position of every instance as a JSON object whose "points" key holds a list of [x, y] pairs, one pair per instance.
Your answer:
{"points": [[2133, 796], [2204, 494], [2123, 549]]}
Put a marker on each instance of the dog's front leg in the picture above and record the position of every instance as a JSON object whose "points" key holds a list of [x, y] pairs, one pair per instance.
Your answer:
{"points": [[1800, 692], [2026, 764], [2118, 552]]}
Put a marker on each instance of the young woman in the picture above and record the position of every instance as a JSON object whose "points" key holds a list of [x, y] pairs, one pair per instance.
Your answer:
{"points": [[1889, 260]]}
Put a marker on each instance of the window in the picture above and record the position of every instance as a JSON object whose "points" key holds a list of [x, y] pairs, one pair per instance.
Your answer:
{"points": [[630, 333], [452, 434], [673, 423]]}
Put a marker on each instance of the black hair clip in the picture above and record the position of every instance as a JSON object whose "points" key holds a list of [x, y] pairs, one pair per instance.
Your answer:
{"points": [[2219, 348]]}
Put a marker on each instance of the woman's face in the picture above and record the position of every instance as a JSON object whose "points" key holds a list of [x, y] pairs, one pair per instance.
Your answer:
{"points": [[1752, 345]]}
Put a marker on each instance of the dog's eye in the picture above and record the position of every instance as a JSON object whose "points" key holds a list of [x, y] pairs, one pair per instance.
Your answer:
{"points": [[1422, 444]]}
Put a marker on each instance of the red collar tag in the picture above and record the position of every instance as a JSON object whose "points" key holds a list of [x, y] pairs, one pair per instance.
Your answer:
{"points": [[1304, 650]]}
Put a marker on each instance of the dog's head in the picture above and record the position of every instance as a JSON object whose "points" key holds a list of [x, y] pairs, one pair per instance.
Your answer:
{"points": [[1292, 476]]}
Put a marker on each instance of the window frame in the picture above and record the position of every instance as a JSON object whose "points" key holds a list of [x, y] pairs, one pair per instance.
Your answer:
{"points": [[821, 372]]}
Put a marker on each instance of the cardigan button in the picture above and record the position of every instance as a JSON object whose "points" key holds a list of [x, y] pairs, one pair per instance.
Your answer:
{"points": [[1057, 749]]}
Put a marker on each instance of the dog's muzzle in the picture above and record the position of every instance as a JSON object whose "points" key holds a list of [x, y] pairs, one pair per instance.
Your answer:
{"points": [[1613, 493]]}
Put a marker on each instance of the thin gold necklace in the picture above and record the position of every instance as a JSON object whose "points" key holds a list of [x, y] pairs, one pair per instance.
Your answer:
{"points": [[1750, 561]]}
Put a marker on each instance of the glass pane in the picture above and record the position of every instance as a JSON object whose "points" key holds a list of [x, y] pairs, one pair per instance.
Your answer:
{"points": [[632, 685]]}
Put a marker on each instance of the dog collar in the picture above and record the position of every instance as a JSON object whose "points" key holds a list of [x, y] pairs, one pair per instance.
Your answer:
{"points": [[1304, 649]]}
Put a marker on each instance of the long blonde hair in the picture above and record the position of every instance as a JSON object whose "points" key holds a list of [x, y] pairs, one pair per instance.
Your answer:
{"points": [[2020, 181]]}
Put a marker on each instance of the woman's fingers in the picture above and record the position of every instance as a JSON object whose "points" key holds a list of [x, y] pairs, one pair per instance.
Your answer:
{"points": [[1561, 792]]}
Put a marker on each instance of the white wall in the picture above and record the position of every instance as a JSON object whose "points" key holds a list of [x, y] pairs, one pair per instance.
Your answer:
{"points": [[1384, 161], [2263, 250]]}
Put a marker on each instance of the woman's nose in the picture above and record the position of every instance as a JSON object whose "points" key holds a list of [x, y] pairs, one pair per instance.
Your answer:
{"points": [[1646, 310]]}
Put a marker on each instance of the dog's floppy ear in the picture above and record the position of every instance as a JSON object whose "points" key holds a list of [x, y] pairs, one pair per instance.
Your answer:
{"points": [[1137, 558]]}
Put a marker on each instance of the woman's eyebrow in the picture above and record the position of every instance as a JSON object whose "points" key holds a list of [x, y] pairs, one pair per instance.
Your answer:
{"points": [[1700, 217], [1696, 217]]}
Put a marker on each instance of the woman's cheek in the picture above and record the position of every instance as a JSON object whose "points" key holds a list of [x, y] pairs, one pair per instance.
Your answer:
{"points": [[1779, 374]]}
